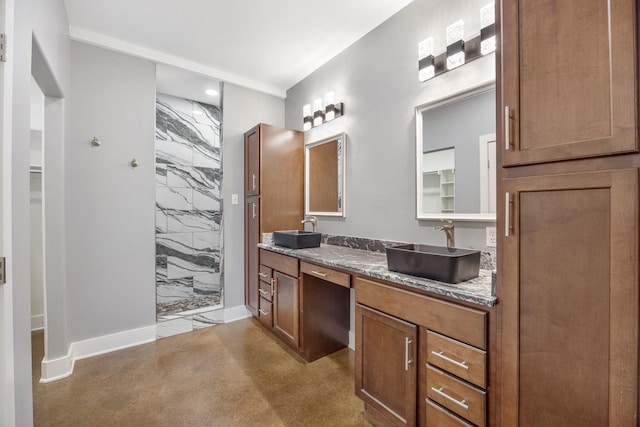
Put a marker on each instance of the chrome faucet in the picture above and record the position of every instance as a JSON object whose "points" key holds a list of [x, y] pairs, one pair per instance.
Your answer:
{"points": [[448, 230], [314, 222]]}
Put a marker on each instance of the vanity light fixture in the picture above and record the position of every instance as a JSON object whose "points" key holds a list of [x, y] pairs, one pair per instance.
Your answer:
{"points": [[211, 92], [332, 110], [306, 117], [426, 60], [318, 113], [488, 29], [458, 51], [455, 45]]}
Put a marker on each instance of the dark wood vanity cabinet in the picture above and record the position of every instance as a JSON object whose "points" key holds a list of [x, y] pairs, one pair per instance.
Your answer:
{"points": [[568, 214], [274, 193], [419, 360]]}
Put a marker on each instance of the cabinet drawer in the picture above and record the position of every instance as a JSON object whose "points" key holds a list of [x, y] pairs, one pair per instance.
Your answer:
{"points": [[324, 273], [439, 417], [266, 291], [465, 400], [264, 312], [286, 264], [457, 358], [265, 273]]}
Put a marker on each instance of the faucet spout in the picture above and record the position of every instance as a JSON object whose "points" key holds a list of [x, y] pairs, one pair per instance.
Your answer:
{"points": [[313, 221], [449, 232]]}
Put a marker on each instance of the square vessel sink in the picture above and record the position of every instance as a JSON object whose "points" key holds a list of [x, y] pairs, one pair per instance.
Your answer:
{"points": [[434, 262], [296, 239]]}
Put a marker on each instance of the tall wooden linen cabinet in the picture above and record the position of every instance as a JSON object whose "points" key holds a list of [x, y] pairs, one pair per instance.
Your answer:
{"points": [[568, 213], [274, 193]]}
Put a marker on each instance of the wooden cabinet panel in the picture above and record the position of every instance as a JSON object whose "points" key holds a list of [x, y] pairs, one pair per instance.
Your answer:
{"points": [[386, 365], [286, 308], [252, 162], [568, 78], [281, 178], [251, 254], [570, 300]]}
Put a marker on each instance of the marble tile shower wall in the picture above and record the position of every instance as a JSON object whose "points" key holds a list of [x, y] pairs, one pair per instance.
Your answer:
{"points": [[188, 206]]}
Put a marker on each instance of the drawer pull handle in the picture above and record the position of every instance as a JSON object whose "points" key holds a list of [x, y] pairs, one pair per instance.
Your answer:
{"points": [[440, 354], [253, 183], [263, 292], [263, 275], [253, 209], [317, 273], [507, 128], [407, 341], [446, 396], [264, 313]]}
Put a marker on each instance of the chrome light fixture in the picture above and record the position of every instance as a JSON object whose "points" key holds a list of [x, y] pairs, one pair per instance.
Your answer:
{"points": [[459, 51], [331, 111], [488, 29], [307, 120], [455, 45]]}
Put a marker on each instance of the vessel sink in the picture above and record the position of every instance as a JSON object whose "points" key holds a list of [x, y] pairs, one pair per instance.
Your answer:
{"points": [[297, 239], [451, 265]]}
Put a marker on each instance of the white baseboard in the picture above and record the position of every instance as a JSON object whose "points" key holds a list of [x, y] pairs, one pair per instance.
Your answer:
{"points": [[37, 322], [63, 367], [236, 313], [352, 341], [56, 369]]}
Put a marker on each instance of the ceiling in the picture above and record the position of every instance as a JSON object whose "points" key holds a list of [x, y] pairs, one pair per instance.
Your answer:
{"points": [[263, 45]]}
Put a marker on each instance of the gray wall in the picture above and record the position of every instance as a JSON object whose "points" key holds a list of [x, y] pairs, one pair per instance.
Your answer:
{"points": [[377, 78], [110, 205], [242, 109]]}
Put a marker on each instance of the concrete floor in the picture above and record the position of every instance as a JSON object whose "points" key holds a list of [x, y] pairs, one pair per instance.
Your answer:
{"points": [[235, 374]]}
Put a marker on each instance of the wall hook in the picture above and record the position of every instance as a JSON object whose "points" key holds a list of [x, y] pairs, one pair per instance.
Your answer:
{"points": [[134, 163], [96, 142]]}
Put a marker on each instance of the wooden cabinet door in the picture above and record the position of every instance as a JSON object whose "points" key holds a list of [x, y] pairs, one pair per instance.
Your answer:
{"points": [[569, 297], [251, 253], [569, 79], [285, 307], [252, 161], [386, 365]]}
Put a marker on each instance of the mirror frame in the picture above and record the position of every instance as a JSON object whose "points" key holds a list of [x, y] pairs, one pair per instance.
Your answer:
{"points": [[478, 217], [342, 213]]}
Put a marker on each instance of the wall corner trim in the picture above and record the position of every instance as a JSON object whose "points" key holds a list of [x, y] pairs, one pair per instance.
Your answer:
{"points": [[62, 367]]}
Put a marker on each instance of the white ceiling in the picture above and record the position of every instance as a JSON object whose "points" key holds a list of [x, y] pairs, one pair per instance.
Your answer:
{"points": [[266, 45]]}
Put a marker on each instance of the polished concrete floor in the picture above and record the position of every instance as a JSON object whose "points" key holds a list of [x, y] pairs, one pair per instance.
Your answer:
{"points": [[235, 374]]}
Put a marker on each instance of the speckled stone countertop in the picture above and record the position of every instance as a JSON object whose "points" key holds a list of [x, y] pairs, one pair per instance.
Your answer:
{"points": [[374, 264]]}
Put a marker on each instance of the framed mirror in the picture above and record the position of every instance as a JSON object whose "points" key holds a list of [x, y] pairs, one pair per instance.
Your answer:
{"points": [[456, 157], [324, 180]]}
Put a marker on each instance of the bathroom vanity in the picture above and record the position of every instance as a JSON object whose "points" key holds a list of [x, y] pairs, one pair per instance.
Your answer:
{"points": [[422, 346]]}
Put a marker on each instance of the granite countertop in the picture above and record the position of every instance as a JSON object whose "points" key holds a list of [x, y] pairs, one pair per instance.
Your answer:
{"points": [[374, 264]]}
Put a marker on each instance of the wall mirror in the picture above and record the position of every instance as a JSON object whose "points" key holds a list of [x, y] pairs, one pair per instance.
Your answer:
{"points": [[324, 176], [456, 157]]}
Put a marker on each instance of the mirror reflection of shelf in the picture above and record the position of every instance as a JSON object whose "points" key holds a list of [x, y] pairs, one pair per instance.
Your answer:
{"points": [[439, 181]]}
